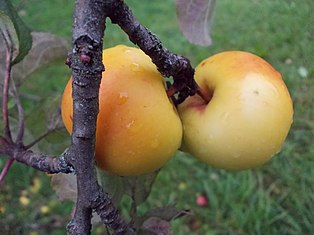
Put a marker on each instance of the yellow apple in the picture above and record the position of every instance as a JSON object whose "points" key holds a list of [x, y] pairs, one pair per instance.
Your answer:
{"points": [[248, 115], [138, 128]]}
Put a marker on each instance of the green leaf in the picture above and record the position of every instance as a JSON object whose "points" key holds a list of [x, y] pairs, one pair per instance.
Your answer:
{"points": [[139, 187], [14, 31]]}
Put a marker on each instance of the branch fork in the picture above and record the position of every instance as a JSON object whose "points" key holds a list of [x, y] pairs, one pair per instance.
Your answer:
{"points": [[85, 60]]}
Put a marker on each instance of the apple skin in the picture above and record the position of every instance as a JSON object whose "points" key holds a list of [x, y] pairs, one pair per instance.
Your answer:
{"points": [[138, 128], [247, 118]]}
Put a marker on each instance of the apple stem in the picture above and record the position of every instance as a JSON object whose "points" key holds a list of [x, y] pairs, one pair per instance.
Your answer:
{"points": [[203, 95], [171, 91]]}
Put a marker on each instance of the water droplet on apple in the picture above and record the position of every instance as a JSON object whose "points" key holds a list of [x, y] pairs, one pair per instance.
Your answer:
{"points": [[127, 51], [210, 139], [134, 127], [130, 154], [130, 124], [135, 67], [236, 155], [155, 143], [225, 116], [122, 98]]}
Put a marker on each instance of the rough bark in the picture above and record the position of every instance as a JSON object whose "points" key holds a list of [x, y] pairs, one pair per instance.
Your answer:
{"points": [[86, 63]]}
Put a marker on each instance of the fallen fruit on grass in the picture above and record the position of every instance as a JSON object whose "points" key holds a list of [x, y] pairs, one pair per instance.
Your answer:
{"points": [[247, 116], [202, 200], [138, 129]]}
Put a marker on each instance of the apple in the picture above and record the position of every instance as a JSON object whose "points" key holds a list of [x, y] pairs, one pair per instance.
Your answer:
{"points": [[138, 128], [247, 115]]}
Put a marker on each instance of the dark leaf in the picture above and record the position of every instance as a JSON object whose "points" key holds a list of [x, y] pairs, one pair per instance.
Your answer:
{"points": [[156, 226], [139, 187], [19, 36], [46, 48], [111, 184], [195, 18], [167, 213], [65, 186]]}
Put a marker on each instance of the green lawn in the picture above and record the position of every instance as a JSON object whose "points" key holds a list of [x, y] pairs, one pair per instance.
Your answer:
{"points": [[277, 198]]}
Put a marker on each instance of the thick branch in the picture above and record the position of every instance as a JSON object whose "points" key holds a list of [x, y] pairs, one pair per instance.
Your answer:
{"points": [[46, 163], [42, 162], [168, 64], [86, 62]]}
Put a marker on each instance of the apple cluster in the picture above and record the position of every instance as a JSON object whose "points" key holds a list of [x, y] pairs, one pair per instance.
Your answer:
{"points": [[242, 125]]}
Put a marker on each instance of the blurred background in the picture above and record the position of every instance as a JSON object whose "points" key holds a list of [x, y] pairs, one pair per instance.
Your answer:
{"points": [[277, 198]]}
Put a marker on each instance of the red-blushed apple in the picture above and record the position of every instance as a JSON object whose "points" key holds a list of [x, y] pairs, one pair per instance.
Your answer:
{"points": [[247, 116]]}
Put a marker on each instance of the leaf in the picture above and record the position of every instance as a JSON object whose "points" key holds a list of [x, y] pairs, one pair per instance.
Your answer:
{"points": [[168, 213], [46, 48], [8, 33], [156, 226], [111, 184], [16, 32], [139, 187], [65, 186], [195, 17], [14, 125]]}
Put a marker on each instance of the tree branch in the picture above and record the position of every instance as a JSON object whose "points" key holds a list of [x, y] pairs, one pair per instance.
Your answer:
{"points": [[42, 162], [86, 62], [168, 64]]}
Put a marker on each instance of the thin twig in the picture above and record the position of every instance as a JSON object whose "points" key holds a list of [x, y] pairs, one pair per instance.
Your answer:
{"points": [[6, 169]]}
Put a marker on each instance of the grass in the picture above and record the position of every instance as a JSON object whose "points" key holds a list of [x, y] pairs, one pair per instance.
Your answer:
{"points": [[277, 198]]}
